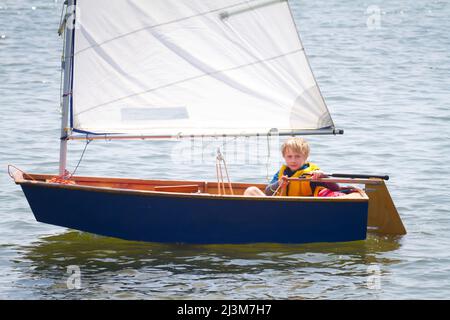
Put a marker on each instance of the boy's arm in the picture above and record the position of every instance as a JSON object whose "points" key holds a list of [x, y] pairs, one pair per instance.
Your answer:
{"points": [[272, 186], [329, 185]]}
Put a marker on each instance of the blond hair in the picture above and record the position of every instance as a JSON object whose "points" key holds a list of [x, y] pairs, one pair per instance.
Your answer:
{"points": [[295, 144]]}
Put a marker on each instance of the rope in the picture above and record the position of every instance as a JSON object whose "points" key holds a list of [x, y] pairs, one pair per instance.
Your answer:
{"points": [[228, 177], [62, 179], [220, 177], [221, 185], [219, 173], [278, 189]]}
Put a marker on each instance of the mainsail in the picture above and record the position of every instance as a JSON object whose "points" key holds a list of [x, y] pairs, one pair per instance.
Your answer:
{"points": [[191, 67]]}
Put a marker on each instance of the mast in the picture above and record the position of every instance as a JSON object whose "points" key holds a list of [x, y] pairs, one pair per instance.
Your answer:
{"points": [[68, 27]]}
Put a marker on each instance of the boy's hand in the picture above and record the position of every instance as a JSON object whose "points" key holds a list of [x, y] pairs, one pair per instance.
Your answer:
{"points": [[318, 175], [284, 181]]}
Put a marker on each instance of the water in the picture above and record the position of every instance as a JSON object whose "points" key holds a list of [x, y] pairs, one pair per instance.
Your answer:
{"points": [[384, 72]]}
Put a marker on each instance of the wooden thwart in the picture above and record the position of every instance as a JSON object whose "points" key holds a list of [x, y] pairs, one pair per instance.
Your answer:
{"points": [[188, 188]]}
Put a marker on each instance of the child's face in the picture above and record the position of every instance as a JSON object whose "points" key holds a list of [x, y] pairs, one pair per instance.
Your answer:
{"points": [[294, 160]]}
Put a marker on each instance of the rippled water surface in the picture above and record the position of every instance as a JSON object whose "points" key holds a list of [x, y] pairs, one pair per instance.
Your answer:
{"points": [[383, 69]]}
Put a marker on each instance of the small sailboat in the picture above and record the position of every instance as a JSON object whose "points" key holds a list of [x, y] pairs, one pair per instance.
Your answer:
{"points": [[166, 69]]}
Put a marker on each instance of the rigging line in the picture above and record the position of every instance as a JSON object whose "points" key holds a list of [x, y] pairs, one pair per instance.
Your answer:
{"points": [[63, 60], [217, 175], [191, 78], [61, 80], [81, 158], [62, 14], [268, 158], [221, 179], [257, 147], [167, 23], [228, 177], [219, 160]]}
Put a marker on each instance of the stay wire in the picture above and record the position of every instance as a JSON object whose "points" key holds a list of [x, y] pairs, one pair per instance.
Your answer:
{"points": [[81, 158]]}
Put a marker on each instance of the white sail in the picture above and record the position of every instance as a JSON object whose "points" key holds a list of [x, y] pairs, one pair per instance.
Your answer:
{"points": [[170, 67]]}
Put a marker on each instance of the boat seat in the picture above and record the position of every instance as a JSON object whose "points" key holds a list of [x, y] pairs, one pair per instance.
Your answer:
{"points": [[185, 188]]}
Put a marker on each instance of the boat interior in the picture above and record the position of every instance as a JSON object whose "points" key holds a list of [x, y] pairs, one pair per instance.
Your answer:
{"points": [[178, 186]]}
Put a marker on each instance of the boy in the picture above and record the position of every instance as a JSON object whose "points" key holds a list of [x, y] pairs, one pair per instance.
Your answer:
{"points": [[295, 152]]}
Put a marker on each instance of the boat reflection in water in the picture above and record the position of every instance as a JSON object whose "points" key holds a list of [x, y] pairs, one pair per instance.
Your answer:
{"points": [[113, 268]]}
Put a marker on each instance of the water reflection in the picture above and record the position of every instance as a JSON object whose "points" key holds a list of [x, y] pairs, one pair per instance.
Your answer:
{"points": [[112, 268]]}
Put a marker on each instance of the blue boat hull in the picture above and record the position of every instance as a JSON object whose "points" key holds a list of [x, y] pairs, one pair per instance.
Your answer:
{"points": [[175, 218]]}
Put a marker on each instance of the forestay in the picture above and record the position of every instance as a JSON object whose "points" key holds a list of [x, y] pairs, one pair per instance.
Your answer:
{"points": [[191, 67]]}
